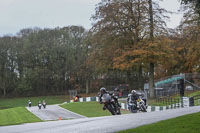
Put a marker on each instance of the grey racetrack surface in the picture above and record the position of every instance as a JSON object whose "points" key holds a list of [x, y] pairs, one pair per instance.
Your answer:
{"points": [[53, 112], [106, 124]]}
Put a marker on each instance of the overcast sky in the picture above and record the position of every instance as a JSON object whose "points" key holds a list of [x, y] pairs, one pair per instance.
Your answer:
{"points": [[18, 14]]}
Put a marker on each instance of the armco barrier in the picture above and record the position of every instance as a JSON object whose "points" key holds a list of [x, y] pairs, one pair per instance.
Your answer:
{"points": [[155, 108], [87, 99], [125, 106]]}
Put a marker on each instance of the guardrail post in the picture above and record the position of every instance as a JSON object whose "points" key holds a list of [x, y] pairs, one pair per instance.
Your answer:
{"points": [[153, 108], [174, 102], [178, 103], [191, 101], [199, 101], [171, 104]]}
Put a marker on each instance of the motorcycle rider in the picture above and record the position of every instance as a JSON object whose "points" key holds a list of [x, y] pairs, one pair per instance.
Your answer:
{"points": [[44, 104], [102, 92], [39, 105], [29, 103], [133, 97], [129, 100]]}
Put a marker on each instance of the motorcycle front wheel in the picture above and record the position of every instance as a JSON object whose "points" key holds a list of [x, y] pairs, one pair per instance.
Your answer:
{"points": [[132, 109], [118, 111], [143, 108], [111, 109]]}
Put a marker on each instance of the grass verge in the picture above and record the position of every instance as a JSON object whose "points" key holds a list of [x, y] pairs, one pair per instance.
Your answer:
{"points": [[6, 103], [183, 124], [16, 115], [89, 109]]}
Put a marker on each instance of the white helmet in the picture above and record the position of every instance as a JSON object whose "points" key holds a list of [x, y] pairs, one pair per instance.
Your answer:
{"points": [[133, 92]]}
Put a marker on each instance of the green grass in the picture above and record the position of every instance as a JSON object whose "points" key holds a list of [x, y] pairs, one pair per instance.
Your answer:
{"points": [[88, 109], [194, 93], [22, 102], [183, 124], [16, 115]]}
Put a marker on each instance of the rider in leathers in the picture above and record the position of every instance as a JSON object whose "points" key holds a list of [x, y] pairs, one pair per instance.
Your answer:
{"points": [[133, 97], [102, 92]]}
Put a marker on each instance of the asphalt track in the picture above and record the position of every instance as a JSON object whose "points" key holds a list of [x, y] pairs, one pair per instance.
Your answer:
{"points": [[53, 112], [106, 124]]}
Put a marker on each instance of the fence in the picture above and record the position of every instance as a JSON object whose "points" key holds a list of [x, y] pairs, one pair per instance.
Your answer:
{"points": [[195, 100], [169, 101], [170, 85], [184, 101]]}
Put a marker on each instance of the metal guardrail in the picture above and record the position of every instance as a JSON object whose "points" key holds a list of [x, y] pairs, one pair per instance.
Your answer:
{"points": [[168, 101], [195, 97]]}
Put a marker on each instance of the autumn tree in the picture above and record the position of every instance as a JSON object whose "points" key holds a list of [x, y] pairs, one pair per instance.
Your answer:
{"points": [[187, 38], [118, 26], [128, 28]]}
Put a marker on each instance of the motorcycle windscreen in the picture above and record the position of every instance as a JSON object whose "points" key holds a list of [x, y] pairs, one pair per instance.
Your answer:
{"points": [[106, 97]]}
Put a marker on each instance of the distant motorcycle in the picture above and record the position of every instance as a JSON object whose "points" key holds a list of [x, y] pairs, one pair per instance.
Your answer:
{"points": [[44, 105], [29, 103], [39, 105], [110, 104]]}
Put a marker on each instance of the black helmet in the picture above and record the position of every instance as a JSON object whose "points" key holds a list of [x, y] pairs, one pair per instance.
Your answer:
{"points": [[133, 92], [103, 90]]}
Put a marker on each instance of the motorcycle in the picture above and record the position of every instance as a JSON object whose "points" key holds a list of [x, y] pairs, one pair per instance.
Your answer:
{"points": [[39, 105], [138, 105], [141, 105], [29, 103], [44, 105], [132, 107], [110, 104], [118, 112]]}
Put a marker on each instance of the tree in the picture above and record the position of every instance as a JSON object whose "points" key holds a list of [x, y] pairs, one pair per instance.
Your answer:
{"points": [[118, 26], [41, 61], [8, 64], [195, 5], [128, 28], [187, 39], [151, 64]]}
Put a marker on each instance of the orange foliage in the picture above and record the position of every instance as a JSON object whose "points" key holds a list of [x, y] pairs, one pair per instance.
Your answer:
{"points": [[157, 52]]}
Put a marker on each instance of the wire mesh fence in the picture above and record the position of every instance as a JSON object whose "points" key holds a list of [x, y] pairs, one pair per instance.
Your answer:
{"points": [[171, 85]]}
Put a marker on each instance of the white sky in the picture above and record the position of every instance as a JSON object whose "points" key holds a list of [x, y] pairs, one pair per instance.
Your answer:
{"points": [[18, 14]]}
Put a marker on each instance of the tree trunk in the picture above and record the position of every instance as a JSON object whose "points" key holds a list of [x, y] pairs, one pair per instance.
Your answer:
{"points": [[87, 86], [151, 80], [151, 68], [140, 78], [4, 91], [151, 20], [129, 81]]}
